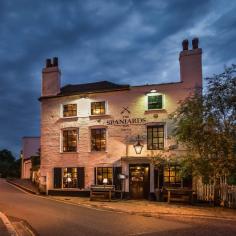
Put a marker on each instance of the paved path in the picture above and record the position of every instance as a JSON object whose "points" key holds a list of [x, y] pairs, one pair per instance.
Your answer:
{"points": [[49, 217], [3, 229]]}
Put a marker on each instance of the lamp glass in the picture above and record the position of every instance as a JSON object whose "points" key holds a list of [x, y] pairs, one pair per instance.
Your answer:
{"points": [[105, 181], [138, 147]]}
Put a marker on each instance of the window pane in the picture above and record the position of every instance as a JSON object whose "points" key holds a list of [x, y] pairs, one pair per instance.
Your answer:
{"points": [[171, 176], [98, 108], [69, 110], [155, 137], [69, 140], [98, 139], [104, 173], [70, 178]]}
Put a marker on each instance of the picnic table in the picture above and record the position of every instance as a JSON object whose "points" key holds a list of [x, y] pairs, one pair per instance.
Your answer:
{"points": [[104, 191]]}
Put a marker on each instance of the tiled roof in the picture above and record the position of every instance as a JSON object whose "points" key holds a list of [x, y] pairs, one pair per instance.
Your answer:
{"points": [[102, 86]]}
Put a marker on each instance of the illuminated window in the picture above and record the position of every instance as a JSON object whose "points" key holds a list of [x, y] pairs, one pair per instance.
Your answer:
{"points": [[104, 173], [155, 102], [70, 178], [155, 137], [69, 110], [70, 140], [98, 108], [172, 176], [98, 139]]}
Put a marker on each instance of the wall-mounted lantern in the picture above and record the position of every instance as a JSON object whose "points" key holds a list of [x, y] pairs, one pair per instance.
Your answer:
{"points": [[138, 146]]}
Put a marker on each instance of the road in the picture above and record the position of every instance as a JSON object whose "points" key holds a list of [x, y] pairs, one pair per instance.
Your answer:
{"points": [[51, 218]]}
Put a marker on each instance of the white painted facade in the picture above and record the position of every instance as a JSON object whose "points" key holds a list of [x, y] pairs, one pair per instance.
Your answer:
{"points": [[120, 138]]}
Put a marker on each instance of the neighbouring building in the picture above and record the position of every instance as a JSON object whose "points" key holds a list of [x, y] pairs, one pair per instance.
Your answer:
{"points": [[30, 148], [104, 132]]}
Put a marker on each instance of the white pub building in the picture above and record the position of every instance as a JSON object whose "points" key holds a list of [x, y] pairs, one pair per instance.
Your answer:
{"points": [[101, 132]]}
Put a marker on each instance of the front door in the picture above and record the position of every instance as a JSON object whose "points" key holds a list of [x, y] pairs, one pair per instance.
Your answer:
{"points": [[139, 181]]}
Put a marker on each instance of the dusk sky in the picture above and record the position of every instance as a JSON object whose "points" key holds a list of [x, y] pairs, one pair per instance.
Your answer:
{"points": [[123, 41]]}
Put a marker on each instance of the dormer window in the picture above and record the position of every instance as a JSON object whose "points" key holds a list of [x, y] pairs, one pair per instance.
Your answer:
{"points": [[69, 110], [98, 108], [155, 101]]}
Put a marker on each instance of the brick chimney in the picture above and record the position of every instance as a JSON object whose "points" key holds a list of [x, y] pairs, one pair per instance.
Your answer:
{"points": [[51, 78], [190, 61]]}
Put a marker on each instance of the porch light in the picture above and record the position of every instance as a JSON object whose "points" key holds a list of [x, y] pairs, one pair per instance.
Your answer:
{"points": [[138, 146]]}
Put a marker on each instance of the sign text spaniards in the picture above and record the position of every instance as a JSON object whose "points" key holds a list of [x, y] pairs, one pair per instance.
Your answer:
{"points": [[127, 121]]}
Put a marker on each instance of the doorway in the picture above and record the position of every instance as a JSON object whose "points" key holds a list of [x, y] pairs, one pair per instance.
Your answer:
{"points": [[139, 181]]}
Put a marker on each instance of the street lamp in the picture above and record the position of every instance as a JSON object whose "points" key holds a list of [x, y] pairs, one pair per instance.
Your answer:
{"points": [[138, 146]]}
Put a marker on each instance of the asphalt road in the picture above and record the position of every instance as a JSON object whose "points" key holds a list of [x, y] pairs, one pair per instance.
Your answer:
{"points": [[52, 218]]}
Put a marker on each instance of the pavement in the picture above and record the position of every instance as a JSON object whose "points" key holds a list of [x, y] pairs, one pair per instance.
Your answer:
{"points": [[25, 184], [6, 227], [141, 207], [3, 229], [50, 216]]}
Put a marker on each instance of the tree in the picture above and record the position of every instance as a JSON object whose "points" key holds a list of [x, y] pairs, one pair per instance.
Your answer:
{"points": [[206, 126], [6, 162]]}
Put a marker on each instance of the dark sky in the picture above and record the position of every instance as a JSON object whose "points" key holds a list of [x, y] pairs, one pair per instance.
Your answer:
{"points": [[125, 41]]}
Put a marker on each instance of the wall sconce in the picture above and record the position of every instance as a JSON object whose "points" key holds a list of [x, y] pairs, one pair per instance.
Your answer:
{"points": [[138, 146]]}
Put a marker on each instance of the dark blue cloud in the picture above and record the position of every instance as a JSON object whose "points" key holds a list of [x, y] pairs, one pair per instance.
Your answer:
{"points": [[124, 41]]}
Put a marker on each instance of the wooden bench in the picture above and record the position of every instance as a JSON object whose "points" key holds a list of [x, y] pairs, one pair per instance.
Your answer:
{"points": [[104, 191], [179, 195]]}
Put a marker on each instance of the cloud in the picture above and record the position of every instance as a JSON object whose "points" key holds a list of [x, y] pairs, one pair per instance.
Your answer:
{"points": [[124, 41]]}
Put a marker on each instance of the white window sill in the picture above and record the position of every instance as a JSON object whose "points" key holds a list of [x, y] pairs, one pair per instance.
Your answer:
{"points": [[69, 152], [69, 117], [155, 110], [98, 152], [99, 116]]}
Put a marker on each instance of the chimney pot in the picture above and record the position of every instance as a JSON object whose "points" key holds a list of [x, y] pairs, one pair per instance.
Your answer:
{"points": [[48, 62], [55, 61], [185, 44], [195, 42]]}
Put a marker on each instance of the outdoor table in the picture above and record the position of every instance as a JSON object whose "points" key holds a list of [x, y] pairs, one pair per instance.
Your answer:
{"points": [[101, 190], [180, 194]]}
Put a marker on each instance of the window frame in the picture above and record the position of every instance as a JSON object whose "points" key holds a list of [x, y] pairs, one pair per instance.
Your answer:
{"points": [[91, 139], [75, 179], [62, 110], [157, 126], [62, 140], [103, 173], [177, 179], [105, 108]]}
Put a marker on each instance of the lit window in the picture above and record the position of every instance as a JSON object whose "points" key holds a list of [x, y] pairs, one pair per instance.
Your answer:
{"points": [[98, 139], [155, 102], [104, 173], [69, 110], [70, 140], [70, 178], [155, 137], [172, 176], [98, 108]]}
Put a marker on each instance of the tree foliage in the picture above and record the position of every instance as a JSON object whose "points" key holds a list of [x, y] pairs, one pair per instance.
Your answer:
{"points": [[206, 125], [9, 167]]}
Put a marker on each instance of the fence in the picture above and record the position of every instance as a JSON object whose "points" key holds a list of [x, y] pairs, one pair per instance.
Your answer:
{"points": [[224, 194]]}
